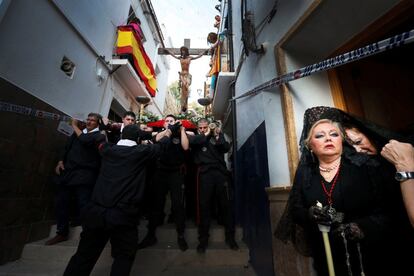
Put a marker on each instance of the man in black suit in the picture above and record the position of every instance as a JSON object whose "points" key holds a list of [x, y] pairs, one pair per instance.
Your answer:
{"points": [[213, 181], [113, 210], [77, 171], [169, 177]]}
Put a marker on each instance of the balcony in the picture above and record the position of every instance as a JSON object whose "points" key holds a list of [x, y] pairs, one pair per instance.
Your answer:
{"points": [[127, 76], [221, 104]]}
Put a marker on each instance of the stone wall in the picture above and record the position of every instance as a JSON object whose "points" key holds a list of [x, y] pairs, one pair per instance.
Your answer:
{"points": [[29, 150], [286, 260]]}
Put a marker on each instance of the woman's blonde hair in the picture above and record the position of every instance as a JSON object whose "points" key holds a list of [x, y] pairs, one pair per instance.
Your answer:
{"points": [[322, 121]]}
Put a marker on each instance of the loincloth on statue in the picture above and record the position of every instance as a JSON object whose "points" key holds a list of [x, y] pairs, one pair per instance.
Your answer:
{"points": [[185, 77]]}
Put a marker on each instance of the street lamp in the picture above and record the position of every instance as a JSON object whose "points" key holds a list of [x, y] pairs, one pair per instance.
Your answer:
{"points": [[199, 92], [204, 102], [142, 100]]}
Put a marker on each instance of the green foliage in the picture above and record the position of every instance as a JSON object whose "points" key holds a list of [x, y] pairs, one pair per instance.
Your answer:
{"points": [[149, 117], [194, 118], [174, 88], [199, 110]]}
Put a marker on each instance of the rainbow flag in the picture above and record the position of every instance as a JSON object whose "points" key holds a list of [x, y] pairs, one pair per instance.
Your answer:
{"points": [[128, 43]]}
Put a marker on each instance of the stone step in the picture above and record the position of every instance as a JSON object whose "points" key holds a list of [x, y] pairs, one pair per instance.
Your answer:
{"points": [[164, 258], [35, 268], [166, 233], [32, 268], [160, 259], [217, 254]]}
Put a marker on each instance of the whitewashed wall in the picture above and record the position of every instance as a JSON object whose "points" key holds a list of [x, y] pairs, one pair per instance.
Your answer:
{"points": [[35, 35], [255, 70]]}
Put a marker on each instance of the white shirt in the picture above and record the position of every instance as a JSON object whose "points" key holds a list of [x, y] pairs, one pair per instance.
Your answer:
{"points": [[85, 131], [126, 142]]}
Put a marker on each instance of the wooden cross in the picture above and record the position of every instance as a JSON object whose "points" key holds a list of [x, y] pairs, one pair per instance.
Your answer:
{"points": [[176, 51]]}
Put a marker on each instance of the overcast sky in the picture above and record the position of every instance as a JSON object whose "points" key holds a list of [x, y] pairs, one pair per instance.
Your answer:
{"points": [[192, 19]]}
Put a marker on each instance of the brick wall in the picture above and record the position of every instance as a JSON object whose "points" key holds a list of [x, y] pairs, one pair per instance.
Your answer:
{"points": [[29, 149]]}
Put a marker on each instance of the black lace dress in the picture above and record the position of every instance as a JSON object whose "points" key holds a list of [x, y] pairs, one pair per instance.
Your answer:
{"points": [[356, 194]]}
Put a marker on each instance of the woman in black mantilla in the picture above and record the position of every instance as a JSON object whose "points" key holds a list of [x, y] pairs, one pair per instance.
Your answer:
{"points": [[331, 172]]}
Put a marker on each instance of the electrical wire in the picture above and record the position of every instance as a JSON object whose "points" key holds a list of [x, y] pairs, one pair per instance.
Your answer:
{"points": [[267, 18]]}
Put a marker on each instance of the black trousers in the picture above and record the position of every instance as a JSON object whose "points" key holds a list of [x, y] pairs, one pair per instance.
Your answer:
{"points": [[124, 240], [167, 181], [214, 186], [82, 194]]}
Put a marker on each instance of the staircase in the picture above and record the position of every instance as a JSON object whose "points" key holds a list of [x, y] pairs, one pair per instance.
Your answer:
{"points": [[164, 258]]}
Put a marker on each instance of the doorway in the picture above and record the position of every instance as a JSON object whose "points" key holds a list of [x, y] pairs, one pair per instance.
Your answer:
{"points": [[116, 111], [380, 88]]}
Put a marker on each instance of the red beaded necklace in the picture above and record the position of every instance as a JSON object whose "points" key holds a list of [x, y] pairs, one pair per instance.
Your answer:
{"points": [[329, 193]]}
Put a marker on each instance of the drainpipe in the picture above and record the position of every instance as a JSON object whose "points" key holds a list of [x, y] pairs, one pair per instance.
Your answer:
{"points": [[234, 117], [230, 26]]}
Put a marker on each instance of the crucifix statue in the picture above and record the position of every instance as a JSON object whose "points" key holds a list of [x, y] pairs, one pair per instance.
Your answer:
{"points": [[184, 55]]}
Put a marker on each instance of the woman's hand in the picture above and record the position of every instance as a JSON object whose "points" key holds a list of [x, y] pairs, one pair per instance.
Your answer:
{"points": [[59, 167], [320, 215], [401, 155], [352, 231]]}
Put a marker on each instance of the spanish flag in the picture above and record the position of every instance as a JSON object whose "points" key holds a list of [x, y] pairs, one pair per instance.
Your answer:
{"points": [[129, 44]]}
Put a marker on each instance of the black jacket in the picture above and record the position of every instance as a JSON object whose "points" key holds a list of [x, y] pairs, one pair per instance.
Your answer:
{"points": [[121, 180], [81, 159], [209, 152]]}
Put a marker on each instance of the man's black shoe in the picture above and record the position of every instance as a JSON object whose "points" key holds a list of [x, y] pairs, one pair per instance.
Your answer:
{"points": [[232, 244], [74, 223], [147, 242], [182, 244], [201, 248], [57, 239]]}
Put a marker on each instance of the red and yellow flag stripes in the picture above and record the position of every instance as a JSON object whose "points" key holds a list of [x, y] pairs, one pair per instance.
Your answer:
{"points": [[129, 44]]}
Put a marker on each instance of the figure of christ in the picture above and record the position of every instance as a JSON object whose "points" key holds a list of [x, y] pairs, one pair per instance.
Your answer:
{"points": [[185, 76]]}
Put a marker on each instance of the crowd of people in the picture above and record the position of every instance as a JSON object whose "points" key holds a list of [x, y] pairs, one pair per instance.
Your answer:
{"points": [[118, 171], [354, 180]]}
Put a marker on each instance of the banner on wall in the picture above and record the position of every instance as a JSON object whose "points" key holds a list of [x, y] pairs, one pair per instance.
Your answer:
{"points": [[64, 124], [129, 43]]}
